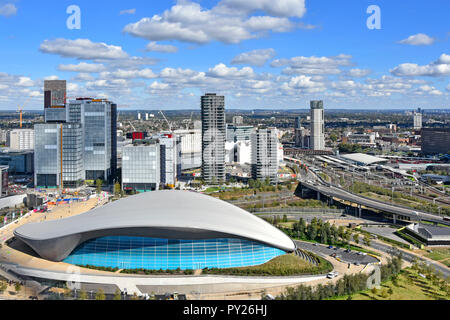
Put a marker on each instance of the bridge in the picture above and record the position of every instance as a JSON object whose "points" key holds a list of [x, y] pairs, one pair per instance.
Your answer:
{"points": [[398, 212]]}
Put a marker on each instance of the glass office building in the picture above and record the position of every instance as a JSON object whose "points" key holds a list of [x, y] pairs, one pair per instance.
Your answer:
{"points": [[239, 133], [58, 154], [155, 254], [141, 167], [96, 118]]}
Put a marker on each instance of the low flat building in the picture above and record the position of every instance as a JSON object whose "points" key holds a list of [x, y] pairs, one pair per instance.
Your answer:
{"points": [[430, 235], [362, 159]]}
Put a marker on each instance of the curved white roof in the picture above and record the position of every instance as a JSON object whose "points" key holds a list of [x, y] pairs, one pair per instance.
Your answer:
{"points": [[165, 210]]}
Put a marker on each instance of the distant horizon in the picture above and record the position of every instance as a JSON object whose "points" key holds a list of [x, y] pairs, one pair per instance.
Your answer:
{"points": [[256, 109]]}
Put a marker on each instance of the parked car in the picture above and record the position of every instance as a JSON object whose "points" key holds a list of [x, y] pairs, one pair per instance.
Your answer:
{"points": [[330, 247], [332, 275]]}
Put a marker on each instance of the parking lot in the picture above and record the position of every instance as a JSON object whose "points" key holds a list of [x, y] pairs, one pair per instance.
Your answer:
{"points": [[349, 257], [386, 232]]}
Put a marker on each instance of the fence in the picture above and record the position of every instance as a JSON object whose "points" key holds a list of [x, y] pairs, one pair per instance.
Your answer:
{"points": [[297, 210]]}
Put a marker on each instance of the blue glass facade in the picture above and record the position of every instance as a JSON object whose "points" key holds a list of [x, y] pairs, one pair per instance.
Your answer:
{"points": [[155, 254]]}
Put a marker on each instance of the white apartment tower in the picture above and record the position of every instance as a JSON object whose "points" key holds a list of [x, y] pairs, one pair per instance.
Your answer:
{"points": [[418, 119], [265, 154], [213, 138], [21, 139], [317, 126]]}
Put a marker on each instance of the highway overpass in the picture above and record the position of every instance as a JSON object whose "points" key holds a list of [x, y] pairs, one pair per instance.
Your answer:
{"points": [[398, 212]]}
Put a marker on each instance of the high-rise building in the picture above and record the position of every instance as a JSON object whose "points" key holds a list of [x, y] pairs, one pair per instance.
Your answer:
{"points": [[265, 154], [55, 115], [435, 141], [239, 133], [96, 117], [141, 166], [55, 93], [21, 139], [238, 152], [189, 145], [238, 120], [317, 126], [168, 162], [213, 137], [59, 155], [114, 142], [418, 116], [298, 123]]}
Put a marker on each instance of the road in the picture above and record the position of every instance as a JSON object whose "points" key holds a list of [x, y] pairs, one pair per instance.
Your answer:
{"points": [[410, 257]]}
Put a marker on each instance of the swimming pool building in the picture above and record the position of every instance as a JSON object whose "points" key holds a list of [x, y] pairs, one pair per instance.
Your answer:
{"points": [[159, 230]]}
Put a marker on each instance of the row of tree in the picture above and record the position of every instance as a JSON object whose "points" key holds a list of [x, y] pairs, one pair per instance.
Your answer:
{"points": [[324, 232], [348, 285]]}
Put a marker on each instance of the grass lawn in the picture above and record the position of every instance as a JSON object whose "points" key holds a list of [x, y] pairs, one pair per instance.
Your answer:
{"points": [[410, 286], [286, 265], [440, 254]]}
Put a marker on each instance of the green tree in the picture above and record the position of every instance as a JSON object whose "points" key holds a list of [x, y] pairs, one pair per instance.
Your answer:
{"points": [[3, 286], [285, 218], [367, 240], [83, 295], [99, 184], [356, 238], [117, 295], [117, 189], [67, 292], [100, 295], [18, 287]]}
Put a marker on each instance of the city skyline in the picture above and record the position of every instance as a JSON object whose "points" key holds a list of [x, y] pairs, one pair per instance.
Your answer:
{"points": [[264, 56]]}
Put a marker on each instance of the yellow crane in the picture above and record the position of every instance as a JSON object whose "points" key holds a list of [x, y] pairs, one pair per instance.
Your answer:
{"points": [[20, 111]]}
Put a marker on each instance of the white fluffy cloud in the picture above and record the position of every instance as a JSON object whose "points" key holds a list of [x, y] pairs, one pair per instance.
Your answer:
{"points": [[359, 73], [419, 39], [82, 67], [8, 10], [189, 22], [222, 71], [25, 82], [82, 49], [155, 47], [304, 84], [313, 65], [128, 11], [441, 67], [129, 74], [279, 8], [427, 89], [256, 57]]}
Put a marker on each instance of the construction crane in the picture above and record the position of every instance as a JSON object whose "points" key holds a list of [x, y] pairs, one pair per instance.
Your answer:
{"points": [[20, 111], [188, 122], [132, 126], [168, 123]]}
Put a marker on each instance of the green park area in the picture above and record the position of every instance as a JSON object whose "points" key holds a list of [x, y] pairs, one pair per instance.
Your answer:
{"points": [[408, 285], [286, 265]]}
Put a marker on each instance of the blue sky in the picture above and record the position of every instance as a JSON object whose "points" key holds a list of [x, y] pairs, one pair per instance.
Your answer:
{"points": [[258, 53]]}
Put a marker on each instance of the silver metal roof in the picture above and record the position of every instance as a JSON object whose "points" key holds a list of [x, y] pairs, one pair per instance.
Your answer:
{"points": [[163, 210]]}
